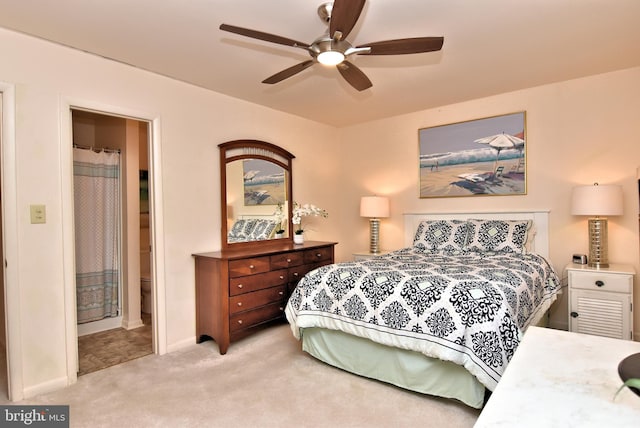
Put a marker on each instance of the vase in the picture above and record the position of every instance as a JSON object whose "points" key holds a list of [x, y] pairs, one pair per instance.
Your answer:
{"points": [[298, 238], [279, 235], [630, 368]]}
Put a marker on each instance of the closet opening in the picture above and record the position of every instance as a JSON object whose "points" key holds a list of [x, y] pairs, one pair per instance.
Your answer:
{"points": [[114, 286]]}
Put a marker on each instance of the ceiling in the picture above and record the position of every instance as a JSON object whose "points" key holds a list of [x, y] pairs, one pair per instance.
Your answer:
{"points": [[490, 47]]}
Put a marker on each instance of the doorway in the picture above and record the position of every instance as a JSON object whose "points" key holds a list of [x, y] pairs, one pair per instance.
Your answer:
{"points": [[114, 323]]}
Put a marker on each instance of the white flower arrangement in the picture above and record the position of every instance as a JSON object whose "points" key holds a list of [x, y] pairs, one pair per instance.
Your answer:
{"points": [[280, 217], [305, 210]]}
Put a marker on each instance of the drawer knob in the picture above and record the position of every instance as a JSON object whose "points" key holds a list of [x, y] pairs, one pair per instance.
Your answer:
{"points": [[295, 274], [600, 283], [288, 260], [281, 308], [281, 293], [240, 285], [281, 277], [239, 303], [318, 255], [252, 267], [574, 315], [239, 321]]}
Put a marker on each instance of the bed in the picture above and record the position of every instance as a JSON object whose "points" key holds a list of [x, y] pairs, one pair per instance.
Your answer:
{"points": [[442, 316]]}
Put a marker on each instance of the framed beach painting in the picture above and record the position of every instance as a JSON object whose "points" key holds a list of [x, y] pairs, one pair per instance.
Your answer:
{"points": [[264, 182], [477, 157]]}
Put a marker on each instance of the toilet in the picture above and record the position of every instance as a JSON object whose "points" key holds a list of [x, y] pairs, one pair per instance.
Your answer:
{"points": [[145, 288]]}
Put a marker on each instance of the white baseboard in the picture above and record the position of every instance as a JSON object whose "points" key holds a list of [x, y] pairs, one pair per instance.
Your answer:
{"points": [[46, 387], [101, 325], [131, 324], [181, 344]]}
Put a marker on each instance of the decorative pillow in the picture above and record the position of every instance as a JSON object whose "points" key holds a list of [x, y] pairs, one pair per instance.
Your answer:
{"points": [[237, 230], [263, 229], [531, 237], [498, 235], [249, 225], [441, 236]]}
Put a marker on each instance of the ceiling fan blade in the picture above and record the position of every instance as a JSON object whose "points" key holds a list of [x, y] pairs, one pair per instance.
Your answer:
{"points": [[285, 74], [344, 15], [405, 46], [354, 76], [263, 36]]}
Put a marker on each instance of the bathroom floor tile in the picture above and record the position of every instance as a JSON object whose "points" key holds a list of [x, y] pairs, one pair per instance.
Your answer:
{"points": [[98, 351]]}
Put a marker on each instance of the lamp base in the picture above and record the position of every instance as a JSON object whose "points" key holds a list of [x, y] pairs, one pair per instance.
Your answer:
{"points": [[374, 235], [598, 238]]}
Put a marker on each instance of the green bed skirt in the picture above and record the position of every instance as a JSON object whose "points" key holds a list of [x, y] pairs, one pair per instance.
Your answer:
{"points": [[406, 369]]}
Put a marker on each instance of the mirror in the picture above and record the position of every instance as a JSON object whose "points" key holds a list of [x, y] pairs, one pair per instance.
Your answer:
{"points": [[256, 193]]}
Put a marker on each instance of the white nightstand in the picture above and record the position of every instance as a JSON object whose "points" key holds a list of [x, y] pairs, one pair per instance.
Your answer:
{"points": [[601, 300], [365, 255]]}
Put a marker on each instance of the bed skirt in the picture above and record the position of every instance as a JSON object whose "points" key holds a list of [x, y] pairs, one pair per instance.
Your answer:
{"points": [[407, 369]]}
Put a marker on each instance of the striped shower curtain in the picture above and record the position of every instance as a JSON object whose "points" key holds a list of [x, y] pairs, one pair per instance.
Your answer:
{"points": [[96, 184]]}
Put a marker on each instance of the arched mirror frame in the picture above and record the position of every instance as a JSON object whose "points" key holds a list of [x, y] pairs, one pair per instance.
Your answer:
{"points": [[254, 149]]}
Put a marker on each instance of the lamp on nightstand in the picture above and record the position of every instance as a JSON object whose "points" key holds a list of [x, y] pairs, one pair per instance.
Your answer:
{"points": [[597, 201], [374, 207]]}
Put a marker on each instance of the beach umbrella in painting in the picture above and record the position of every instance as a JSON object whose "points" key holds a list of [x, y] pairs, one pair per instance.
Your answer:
{"points": [[502, 141]]}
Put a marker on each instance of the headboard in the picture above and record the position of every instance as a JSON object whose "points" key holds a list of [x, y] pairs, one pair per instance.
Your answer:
{"points": [[540, 223], [257, 216]]}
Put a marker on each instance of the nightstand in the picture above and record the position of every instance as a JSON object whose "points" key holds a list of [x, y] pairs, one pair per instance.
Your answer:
{"points": [[601, 300], [366, 255]]}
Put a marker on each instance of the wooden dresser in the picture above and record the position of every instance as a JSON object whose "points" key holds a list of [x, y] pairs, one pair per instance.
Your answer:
{"points": [[240, 290]]}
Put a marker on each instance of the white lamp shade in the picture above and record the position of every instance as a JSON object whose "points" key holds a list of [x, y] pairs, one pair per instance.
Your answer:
{"points": [[374, 206], [597, 200]]}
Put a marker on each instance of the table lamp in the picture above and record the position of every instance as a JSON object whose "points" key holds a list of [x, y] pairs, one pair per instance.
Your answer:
{"points": [[374, 207], [597, 201]]}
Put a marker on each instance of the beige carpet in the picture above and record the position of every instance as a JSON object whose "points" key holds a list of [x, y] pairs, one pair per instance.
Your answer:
{"points": [[264, 381]]}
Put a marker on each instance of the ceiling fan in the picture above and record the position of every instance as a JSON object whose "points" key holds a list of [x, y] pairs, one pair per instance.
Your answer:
{"points": [[333, 49]]}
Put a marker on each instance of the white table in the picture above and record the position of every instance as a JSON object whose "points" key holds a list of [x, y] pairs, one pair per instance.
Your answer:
{"points": [[562, 379]]}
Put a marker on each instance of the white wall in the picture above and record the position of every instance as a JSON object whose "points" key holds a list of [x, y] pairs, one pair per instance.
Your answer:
{"points": [[192, 122], [578, 132]]}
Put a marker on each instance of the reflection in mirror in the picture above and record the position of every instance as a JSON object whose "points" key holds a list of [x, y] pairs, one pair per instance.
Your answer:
{"points": [[256, 193], [256, 190]]}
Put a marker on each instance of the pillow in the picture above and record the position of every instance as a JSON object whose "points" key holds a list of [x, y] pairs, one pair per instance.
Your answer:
{"points": [[531, 237], [498, 235], [441, 235], [263, 229], [249, 225], [237, 230]]}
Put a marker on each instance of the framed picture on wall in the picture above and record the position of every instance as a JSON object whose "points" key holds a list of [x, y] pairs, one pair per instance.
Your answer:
{"points": [[477, 157], [264, 183]]}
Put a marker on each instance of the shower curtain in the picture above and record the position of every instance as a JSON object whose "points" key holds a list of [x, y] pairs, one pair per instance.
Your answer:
{"points": [[96, 185]]}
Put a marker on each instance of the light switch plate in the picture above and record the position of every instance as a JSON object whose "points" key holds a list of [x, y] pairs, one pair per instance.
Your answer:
{"points": [[38, 214]]}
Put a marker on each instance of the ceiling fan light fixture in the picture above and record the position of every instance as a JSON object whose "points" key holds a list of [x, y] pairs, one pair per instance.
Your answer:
{"points": [[330, 57]]}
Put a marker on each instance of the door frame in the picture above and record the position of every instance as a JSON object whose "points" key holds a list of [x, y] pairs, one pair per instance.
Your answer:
{"points": [[8, 184], [156, 222]]}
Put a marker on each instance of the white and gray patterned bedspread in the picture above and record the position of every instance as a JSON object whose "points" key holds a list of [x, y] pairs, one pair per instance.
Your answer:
{"points": [[470, 309]]}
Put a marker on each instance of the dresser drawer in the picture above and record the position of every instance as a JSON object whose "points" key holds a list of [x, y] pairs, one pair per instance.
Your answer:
{"points": [[249, 266], [316, 255], [616, 283], [286, 260], [260, 281], [296, 273], [257, 316], [247, 301]]}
